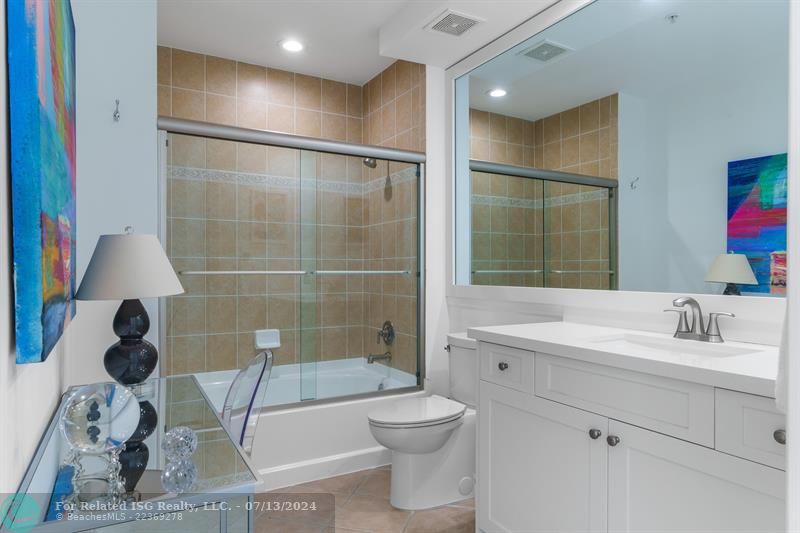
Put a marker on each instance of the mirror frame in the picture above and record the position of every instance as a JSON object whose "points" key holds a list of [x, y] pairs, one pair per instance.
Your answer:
{"points": [[759, 318]]}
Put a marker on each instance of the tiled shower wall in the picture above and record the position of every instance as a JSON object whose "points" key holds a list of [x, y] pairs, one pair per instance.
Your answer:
{"points": [[236, 206], [516, 220]]}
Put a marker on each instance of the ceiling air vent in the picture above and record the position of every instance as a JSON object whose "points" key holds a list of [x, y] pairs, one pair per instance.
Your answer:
{"points": [[453, 23], [545, 51]]}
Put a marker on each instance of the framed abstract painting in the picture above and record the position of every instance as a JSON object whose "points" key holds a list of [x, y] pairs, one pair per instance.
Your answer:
{"points": [[757, 219], [41, 83]]}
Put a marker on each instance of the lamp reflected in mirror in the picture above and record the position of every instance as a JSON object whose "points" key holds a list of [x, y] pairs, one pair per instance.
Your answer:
{"points": [[733, 270]]}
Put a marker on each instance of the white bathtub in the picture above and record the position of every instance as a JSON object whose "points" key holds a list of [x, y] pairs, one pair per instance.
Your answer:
{"points": [[290, 384], [308, 442]]}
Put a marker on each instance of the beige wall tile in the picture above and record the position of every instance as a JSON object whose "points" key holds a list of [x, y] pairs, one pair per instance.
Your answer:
{"points": [[187, 151], [388, 84], [281, 87], [251, 313], [570, 122], [164, 100], [479, 123], [251, 202], [251, 158], [403, 112], [354, 100], [551, 129], [220, 76], [280, 118], [334, 127], [498, 129], [221, 315], [403, 76], [355, 130], [188, 104], [251, 114], [220, 238], [188, 70], [589, 116], [308, 123], [589, 147], [220, 200], [221, 351], [221, 109], [308, 92], [334, 97], [164, 65], [251, 81], [220, 155]]}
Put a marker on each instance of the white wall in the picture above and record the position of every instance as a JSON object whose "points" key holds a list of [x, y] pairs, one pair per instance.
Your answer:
{"points": [[117, 161], [675, 223], [116, 58]]}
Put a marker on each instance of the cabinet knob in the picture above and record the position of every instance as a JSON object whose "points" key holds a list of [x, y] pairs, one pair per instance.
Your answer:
{"points": [[780, 436], [612, 440], [502, 365], [595, 434]]}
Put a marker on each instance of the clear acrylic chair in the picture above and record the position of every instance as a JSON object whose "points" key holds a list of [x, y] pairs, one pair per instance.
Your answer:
{"points": [[244, 397]]}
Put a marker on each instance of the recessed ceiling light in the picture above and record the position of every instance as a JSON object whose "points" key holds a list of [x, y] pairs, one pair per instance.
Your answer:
{"points": [[291, 45], [497, 93]]}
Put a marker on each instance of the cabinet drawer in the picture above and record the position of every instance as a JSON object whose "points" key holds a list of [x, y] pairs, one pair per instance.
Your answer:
{"points": [[748, 426], [507, 366], [678, 408]]}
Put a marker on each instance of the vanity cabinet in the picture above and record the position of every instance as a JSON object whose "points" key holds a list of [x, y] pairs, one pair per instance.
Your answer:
{"points": [[596, 448], [539, 467]]}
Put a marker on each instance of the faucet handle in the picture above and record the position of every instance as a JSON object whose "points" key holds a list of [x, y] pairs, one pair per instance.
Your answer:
{"points": [[713, 324], [683, 323]]}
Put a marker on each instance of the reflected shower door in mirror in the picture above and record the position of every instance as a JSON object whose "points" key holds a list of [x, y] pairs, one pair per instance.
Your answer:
{"points": [[632, 146]]}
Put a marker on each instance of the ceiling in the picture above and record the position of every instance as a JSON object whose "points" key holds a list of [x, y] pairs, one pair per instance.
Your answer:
{"points": [[346, 40], [341, 37], [631, 47]]}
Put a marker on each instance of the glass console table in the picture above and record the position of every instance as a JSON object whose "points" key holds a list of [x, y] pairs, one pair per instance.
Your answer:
{"points": [[220, 500]]}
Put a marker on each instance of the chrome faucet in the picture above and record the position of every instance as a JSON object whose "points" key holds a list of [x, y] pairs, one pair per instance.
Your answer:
{"points": [[387, 356], [697, 331]]}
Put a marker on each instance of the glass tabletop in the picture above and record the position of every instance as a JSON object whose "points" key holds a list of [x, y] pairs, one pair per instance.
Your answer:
{"points": [[220, 465]]}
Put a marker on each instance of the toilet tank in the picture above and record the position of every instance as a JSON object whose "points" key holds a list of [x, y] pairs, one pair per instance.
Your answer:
{"points": [[463, 368]]}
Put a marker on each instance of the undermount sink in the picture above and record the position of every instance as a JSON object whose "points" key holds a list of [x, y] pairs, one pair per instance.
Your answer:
{"points": [[670, 345]]}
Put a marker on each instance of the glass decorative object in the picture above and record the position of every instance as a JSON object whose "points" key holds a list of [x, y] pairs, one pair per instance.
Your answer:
{"points": [[179, 476], [179, 443], [99, 418]]}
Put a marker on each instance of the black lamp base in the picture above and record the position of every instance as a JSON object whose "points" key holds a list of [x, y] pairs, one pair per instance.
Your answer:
{"points": [[132, 359], [732, 289]]}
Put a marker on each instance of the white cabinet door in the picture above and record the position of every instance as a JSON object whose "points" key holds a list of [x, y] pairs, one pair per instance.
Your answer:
{"points": [[538, 467], [659, 483]]}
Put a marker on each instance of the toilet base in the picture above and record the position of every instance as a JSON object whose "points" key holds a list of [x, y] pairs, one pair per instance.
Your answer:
{"points": [[422, 481]]}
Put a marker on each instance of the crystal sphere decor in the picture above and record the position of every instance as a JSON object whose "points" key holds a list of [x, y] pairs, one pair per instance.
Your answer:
{"points": [[100, 417], [179, 476], [179, 443]]}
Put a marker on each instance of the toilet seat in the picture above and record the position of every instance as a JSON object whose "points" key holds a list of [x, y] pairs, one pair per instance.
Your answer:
{"points": [[417, 412]]}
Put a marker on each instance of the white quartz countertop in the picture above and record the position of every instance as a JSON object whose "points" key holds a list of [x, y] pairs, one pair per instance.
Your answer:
{"points": [[738, 366]]}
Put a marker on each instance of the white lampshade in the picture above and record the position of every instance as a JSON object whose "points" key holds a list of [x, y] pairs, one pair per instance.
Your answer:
{"points": [[731, 268], [127, 266]]}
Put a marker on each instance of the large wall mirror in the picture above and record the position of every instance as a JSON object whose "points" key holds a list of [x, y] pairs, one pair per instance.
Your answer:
{"points": [[634, 145]]}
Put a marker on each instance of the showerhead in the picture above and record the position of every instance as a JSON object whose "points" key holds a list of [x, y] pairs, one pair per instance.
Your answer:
{"points": [[370, 162]]}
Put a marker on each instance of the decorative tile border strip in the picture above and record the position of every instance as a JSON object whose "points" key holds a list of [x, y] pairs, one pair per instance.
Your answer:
{"points": [[289, 182], [527, 203]]}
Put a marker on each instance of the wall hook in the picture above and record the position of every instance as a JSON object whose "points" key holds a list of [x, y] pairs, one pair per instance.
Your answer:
{"points": [[116, 111], [634, 185]]}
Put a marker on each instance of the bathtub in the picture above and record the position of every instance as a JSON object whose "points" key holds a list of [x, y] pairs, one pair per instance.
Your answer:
{"points": [[294, 383], [299, 443]]}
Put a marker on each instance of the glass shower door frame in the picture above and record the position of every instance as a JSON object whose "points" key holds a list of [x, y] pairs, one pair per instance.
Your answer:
{"points": [[170, 125]]}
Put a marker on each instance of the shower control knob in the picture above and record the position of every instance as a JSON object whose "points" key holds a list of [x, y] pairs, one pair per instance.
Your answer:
{"points": [[779, 436], [594, 434], [612, 440], [502, 365]]}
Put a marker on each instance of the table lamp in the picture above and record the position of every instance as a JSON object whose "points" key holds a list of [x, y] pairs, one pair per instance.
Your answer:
{"points": [[126, 267], [732, 269]]}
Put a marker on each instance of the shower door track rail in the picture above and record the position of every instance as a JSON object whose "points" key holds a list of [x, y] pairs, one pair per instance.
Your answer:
{"points": [[541, 174], [198, 128], [291, 272]]}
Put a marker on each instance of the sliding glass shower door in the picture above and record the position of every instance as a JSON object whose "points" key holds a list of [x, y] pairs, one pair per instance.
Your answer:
{"points": [[306, 253]]}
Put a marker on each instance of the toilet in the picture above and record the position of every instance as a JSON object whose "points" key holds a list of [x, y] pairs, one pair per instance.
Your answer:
{"points": [[432, 438]]}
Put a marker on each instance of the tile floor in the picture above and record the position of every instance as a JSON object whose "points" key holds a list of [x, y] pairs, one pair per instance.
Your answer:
{"points": [[361, 502]]}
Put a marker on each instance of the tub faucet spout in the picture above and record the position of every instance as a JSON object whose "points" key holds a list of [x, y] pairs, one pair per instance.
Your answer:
{"points": [[371, 358]]}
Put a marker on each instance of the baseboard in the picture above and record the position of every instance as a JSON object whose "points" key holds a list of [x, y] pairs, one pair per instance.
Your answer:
{"points": [[323, 467]]}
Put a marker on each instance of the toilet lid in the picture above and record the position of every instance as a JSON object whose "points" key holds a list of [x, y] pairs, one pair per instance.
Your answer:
{"points": [[425, 411]]}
